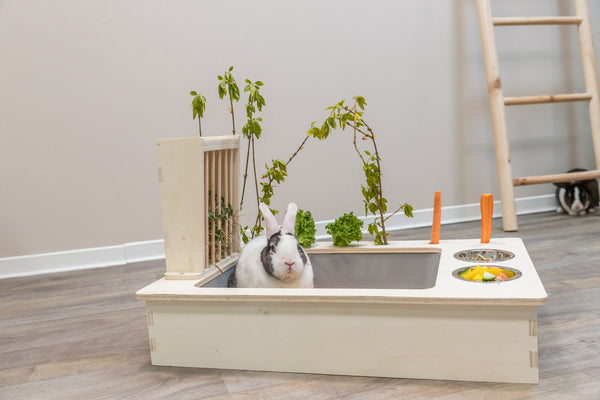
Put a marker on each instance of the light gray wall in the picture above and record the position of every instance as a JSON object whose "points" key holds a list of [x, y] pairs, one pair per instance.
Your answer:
{"points": [[85, 87]]}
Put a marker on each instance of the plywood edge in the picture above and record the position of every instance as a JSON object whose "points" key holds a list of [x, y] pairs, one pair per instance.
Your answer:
{"points": [[208, 143], [183, 275], [323, 296], [229, 142]]}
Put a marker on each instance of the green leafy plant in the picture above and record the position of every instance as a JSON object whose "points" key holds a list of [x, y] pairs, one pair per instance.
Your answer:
{"points": [[345, 230], [198, 106], [305, 228], [218, 219], [343, 116], [228, 86]]}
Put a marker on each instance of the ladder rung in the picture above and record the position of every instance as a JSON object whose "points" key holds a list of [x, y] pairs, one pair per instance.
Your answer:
{"points": [[551, 98], [567, 177], [506, 21]]}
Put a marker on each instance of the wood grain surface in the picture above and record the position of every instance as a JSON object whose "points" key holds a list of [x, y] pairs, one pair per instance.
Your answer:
{"points": [[83, 335]]}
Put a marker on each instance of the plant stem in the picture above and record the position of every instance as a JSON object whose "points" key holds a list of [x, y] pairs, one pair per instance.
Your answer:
{"points": [[245, 176], [270, 181], [394, 213], [355, 129], [297, 151], [232, 114], [256, 187], [199, 126], [380, 191]]}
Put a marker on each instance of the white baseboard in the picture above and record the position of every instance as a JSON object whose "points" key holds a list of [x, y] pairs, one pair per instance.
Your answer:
{"points": [[108, 256], [71, 260]]}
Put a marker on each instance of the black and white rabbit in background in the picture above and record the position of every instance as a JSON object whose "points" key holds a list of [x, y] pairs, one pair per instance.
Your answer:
{"points": [[577, 197], [275, 260]]}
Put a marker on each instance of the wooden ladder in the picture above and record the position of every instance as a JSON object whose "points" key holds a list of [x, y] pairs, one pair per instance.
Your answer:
{"points": [[498, 101]]}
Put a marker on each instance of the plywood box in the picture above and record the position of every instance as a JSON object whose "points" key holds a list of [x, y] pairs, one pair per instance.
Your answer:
{"points": [[452, 329]]}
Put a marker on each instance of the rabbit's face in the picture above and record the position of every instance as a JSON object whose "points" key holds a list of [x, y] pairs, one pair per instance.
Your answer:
{"points": [[283, 258]]}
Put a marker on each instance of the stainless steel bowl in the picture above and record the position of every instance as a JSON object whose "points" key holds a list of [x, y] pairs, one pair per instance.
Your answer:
{"points": [[517, 273], [484, 255]]}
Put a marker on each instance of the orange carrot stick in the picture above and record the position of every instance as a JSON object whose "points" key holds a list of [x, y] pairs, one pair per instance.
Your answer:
{"points": [[437, 218], [487, 210]]}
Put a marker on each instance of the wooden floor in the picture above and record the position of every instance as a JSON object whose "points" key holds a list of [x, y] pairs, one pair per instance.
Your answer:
{"points": [[82, 335]]}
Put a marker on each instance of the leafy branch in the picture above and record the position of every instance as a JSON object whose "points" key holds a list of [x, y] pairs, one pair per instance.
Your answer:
{"points": [[252, 130], [227, 85], [275, 173], [344, 117]]}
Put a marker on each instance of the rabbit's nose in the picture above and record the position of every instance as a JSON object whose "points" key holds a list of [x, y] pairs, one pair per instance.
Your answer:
{"points": [[290, 263]]}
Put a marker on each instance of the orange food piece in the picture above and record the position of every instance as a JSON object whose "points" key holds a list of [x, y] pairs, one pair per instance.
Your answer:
{"points": [[501, 276], [487, 211], [437, 217]]}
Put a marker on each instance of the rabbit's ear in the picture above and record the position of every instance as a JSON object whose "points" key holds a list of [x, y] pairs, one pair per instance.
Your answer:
{"points": [[289, 221], [270, 222]]}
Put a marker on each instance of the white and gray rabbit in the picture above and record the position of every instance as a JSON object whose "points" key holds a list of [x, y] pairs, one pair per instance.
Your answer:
{"points": [[275, 260], [577, 197]]}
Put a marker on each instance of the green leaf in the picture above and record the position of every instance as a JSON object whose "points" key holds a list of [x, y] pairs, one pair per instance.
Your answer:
{"points": [[305, 228], [193, 93], [361, 102], [325, 129], [373, 228], [373, 208]]}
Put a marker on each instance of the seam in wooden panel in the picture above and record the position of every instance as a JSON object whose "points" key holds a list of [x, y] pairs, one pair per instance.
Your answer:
{"points": [[152, 344], [532, 327], [533, 359], [161, 177], [150, 318]]}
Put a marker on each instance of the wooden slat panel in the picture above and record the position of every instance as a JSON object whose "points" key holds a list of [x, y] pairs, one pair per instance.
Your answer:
{"points": [[213, 206], [229, 173], [506, 21], [218, 184], [235, 199], [552, 98], [206, 205], [572, 176]]}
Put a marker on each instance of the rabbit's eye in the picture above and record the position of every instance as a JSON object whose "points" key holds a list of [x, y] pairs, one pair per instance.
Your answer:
{"points": [[272, 248]]}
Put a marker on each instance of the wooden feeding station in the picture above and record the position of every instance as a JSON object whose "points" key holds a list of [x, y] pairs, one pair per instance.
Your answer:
{"points": [[198, 182], [406, 310]]}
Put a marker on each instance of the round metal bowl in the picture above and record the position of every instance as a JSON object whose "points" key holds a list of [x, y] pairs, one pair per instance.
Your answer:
{"points": [[483, 255], [517, 273]]}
